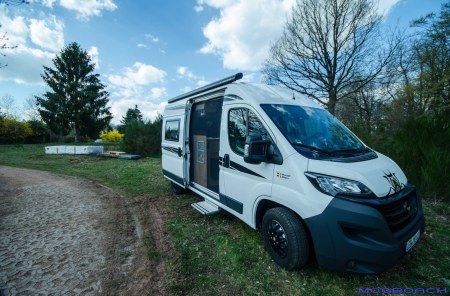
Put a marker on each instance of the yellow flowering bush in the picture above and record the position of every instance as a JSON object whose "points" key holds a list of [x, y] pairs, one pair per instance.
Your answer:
{"points": [[14, 131], [111, 136]]}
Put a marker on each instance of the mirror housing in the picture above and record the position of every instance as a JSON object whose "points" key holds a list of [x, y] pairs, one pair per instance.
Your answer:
{"points": [[256, 149]]}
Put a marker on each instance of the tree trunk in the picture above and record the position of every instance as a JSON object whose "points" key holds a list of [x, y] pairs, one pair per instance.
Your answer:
{"points": [[331, 105], [76, 132]]}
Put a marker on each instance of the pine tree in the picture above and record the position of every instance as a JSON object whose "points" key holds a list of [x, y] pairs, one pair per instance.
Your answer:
{"points": [[77, 100], [132, 115]]}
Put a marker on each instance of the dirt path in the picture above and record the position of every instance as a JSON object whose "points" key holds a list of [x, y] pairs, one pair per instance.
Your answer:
{"points": [[68, 236]]}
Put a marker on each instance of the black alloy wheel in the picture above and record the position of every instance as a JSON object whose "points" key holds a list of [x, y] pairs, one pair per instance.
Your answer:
{"points": [[285, 238]]}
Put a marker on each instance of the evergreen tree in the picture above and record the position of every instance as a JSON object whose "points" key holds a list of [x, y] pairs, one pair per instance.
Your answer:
{"points": [[132, 115], [143, 138], [77, 100]]}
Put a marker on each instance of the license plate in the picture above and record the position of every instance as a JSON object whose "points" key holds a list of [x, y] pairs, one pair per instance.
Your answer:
{"points": [[412, 241]]}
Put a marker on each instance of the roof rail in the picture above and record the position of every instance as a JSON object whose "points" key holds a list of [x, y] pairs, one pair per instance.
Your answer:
{"points": [[207, 87]]}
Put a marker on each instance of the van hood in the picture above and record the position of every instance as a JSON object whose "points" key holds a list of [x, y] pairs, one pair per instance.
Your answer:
{"points": [[381, 175]]}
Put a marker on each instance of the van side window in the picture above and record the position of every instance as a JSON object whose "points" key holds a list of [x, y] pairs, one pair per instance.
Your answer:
{"points": [[172, 130], [242, 122]]}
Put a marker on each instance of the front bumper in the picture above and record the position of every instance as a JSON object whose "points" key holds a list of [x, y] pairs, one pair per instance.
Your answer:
{"points": [[366, 237]]}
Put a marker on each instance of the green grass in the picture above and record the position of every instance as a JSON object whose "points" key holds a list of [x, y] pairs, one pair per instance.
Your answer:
{"points": [[220, 255]]}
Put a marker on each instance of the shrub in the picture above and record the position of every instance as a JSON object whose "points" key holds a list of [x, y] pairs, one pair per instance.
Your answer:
{"points": [[41, 133], [14, 131], [143, 138], [421, 148], [111, 136]]}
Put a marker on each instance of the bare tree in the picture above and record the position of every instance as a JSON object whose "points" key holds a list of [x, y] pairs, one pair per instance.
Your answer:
{"points": [[363, 111], [330, 49], [31, 110], [3, 46], [8, 106]]}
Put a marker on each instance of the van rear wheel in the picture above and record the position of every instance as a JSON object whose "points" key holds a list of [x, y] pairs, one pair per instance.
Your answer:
{"points": [[285, 238]]}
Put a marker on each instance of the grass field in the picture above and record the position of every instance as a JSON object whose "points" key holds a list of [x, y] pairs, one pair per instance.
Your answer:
{"points": [[220, 255]]}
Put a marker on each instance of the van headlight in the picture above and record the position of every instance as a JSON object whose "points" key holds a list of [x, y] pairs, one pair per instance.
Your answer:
{"points": [[333, 186]]}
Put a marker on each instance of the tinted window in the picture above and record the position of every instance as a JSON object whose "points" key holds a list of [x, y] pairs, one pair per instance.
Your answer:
{"points": [[172, 131], [242, 122]]}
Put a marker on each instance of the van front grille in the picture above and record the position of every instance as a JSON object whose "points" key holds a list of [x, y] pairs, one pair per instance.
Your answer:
{"points": [[398, 209], [401, 212]]}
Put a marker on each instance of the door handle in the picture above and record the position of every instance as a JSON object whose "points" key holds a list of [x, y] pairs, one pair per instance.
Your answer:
{"points": [[226, 161], [179, 152]]}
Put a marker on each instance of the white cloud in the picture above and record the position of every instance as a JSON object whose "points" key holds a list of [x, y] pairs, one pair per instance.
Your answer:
{"points": [[25, 62], [245, 29], [141, 45], [48, 3], [87, 8], [47, 33], [202, 82], [152, 38], [15, 28], [134, 78], [243, 33], [181, 70], [134, 87], [158, 92], [185, 89], [148, 108], [250, 77], [139, 74], [385, 6], [25, 65], [93, 54], [218, 4], [184, 72]]}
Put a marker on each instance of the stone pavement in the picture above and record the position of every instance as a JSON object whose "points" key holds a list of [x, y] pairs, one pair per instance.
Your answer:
{"points": [[50, 240]]}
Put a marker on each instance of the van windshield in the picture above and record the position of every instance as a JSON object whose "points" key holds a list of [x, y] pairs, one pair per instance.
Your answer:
{"points": [[313, 131]]}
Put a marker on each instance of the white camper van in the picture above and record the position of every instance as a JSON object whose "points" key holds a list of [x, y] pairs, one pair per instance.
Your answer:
{"points": [[283, 164]]}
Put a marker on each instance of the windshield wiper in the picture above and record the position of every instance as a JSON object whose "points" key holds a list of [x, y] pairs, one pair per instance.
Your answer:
{"points": [[313, 148], [351, 151]]}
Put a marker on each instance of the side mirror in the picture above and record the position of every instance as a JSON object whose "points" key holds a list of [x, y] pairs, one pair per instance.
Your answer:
{"points": [[255, 149]]}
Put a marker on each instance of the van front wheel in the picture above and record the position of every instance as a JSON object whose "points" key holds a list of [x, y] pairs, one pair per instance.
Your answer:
{"points": [[285, 238]]}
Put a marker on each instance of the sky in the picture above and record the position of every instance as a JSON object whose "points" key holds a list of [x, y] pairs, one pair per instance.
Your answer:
{"points": [[149, 51]]}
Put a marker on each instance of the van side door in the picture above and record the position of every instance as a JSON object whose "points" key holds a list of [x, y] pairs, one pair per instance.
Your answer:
{"points": [[242, 183], [172, 149]]}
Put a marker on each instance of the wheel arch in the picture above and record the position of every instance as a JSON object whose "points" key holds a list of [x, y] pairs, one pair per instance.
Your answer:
{"points": [[263, 206], [266, 204]]}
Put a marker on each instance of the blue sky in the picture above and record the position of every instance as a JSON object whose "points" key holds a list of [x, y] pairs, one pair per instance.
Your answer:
{"points": [[149, 51]]}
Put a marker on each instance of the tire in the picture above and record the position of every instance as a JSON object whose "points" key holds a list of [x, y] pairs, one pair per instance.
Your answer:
{"points": [[285, 238], [177, 189]]}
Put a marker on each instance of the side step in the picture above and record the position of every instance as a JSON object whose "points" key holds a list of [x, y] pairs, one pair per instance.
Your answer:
{"points": [[206, 208]]}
